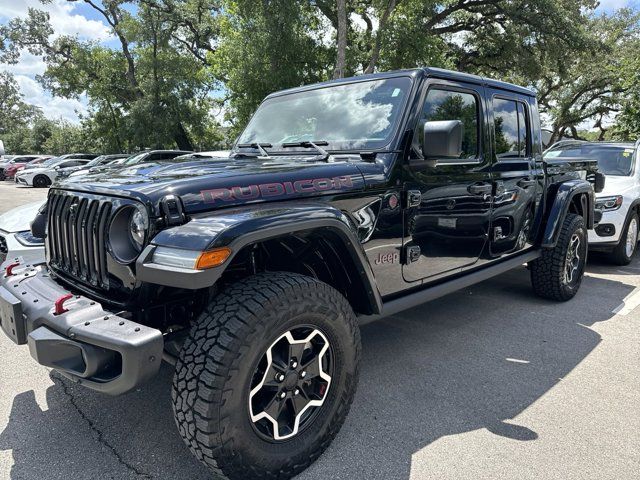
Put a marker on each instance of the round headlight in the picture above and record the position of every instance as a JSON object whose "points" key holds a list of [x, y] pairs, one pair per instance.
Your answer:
{"points": [[127, 233], [138, 227]]}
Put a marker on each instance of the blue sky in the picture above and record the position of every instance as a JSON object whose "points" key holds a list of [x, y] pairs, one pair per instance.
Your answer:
{"points": [[78, 18]]}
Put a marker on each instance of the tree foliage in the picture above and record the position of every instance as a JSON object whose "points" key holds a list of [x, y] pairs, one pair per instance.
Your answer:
{"points": [[176, 67], [14, 111]]}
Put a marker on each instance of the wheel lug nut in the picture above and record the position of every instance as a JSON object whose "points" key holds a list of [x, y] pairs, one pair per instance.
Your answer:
{"points": [[303, 374], [294, 364], [282, 395], [296, 391], [280, 377]]}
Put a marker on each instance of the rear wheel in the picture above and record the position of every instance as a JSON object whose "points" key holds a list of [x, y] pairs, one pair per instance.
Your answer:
{"points": [[267, 376], [624, 251], [557, 273], [41, 181]]}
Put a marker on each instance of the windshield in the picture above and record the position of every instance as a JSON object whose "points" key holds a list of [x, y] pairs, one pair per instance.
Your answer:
{"points": [[135, 158], [615, 160], [356, 115], [51, 161], [97, 161]]}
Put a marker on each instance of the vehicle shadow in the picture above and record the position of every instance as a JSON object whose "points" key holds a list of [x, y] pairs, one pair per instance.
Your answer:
{"points": [[472, 360]]}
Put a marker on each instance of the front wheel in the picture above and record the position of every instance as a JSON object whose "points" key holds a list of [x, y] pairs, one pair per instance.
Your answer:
{"points": [[557, 273], [623, 253], [267, 375], [41, 181]]}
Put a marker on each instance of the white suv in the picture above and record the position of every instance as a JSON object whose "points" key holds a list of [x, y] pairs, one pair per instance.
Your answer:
{"points": [[617, 232]]}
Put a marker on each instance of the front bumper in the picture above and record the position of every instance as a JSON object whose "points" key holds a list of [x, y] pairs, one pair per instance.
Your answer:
{"points": [[22, 180], [91, 346], [616, 219]]}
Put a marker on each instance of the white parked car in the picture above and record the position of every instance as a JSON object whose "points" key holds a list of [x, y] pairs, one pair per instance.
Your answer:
{"points": [[16, 239], [617, 232], [45, 175]]}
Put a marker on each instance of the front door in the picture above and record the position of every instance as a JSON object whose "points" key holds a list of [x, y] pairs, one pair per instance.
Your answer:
{"points": [[448, 201]]}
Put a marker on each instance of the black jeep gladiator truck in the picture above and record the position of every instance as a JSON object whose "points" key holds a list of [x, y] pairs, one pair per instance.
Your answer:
{"points": [[341, 203]]}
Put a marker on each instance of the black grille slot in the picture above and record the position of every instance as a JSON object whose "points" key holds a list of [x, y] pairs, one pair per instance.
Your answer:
{"points": [[76, 238], [3, 249]]}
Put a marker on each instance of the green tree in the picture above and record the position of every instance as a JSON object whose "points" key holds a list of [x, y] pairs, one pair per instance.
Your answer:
{"points": [[15, 113], [153, 91], [267, 46]]}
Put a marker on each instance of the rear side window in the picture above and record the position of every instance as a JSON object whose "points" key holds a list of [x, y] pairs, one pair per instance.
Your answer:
{"points": [[510, 127], [442, 104]]}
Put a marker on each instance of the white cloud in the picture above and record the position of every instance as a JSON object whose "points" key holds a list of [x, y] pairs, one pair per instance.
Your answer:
{"points": [[28, 65], [63, 19], [52, 107]]}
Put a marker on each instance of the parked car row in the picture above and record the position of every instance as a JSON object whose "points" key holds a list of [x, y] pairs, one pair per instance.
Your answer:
{"points": [[41, 171]]}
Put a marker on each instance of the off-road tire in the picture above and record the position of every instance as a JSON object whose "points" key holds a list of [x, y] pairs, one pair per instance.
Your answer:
{"points": [[213, 374], [548, 270], [41, 181], [619, 254]]}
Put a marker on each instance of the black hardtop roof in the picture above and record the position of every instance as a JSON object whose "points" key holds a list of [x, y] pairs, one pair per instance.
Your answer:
{"points": [[416, 73]]}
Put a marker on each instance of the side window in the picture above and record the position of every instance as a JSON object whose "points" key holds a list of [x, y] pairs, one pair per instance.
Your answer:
{"points": [[511, 129], [443, 104], [523, 128]]}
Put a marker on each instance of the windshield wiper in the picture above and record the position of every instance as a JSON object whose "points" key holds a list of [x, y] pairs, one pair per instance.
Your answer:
{"points": [[308, 144], [258, 146]]}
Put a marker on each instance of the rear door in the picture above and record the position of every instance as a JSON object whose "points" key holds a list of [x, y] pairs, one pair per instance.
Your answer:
{"points": [[448, 201], [517, 172]]}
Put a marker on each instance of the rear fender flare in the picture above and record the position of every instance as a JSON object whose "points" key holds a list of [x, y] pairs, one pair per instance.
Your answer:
{"points": [[567, 192]]}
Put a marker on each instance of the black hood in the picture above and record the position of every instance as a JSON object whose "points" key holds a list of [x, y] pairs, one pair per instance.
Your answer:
{"points": [[219, 182]]}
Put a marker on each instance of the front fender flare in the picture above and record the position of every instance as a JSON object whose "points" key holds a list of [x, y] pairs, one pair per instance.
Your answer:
{"points": [[238, 228], [567, 191]]}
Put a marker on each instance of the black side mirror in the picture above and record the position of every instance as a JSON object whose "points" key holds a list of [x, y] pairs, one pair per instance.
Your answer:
{"points": [[442, 139]]}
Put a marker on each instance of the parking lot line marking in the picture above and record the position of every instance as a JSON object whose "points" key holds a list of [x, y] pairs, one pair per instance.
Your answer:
{"points": [[516, 360], [628, 304]]}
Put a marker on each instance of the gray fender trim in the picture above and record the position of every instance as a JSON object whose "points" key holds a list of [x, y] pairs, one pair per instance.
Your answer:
{"points": [[239, 228], [560, 206]]}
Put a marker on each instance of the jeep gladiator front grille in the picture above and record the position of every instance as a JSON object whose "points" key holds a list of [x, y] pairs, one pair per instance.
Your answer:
{"points": [[76, 239]]}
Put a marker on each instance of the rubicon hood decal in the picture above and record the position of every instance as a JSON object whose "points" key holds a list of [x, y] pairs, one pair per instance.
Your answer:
{"points": [[277, 189], [204, 185]]}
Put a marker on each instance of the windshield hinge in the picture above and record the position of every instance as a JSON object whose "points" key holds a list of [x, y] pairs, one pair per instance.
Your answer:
{"points": [[173, 210]]}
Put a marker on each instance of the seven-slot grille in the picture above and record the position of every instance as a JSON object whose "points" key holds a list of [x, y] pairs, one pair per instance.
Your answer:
{"points": [[76, 238]]}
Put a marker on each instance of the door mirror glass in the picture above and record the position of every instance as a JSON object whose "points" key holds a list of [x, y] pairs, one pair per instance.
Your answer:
{"points": [[442, 139]]}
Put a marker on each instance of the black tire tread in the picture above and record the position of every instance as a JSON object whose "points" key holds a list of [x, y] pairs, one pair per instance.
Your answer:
{"points": [[547, 270], [215, 342]]}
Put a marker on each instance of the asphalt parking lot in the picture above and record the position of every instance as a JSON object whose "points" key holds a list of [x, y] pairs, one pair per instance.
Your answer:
{"points": [[486, 383]]}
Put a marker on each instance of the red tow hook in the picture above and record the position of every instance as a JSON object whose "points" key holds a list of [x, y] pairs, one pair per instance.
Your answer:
{"points": [[9, 270], [59, 304]]}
